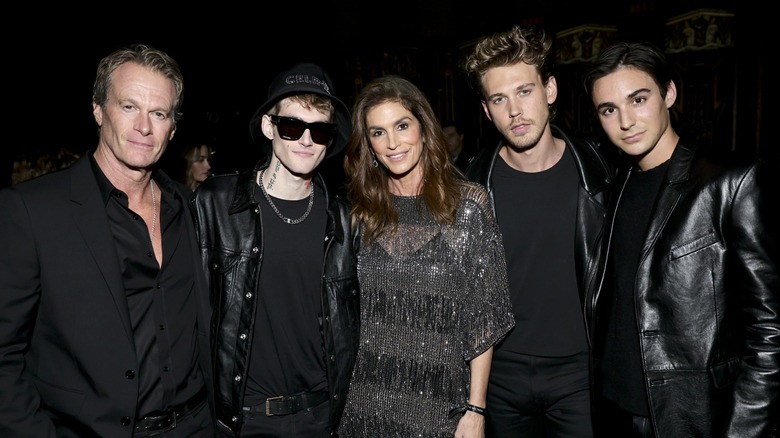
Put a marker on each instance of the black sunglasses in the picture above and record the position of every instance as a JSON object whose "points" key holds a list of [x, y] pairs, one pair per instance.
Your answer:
{"points": [[292, 129]]}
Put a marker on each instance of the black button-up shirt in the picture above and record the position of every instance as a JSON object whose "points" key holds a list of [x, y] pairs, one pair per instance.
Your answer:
{"points": [[160, 298]]}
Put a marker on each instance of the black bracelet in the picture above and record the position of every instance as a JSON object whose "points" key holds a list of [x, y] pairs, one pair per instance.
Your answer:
{"points": [[467, 407], [476, 409]]}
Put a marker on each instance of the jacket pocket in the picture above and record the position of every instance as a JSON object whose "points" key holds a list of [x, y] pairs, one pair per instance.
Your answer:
{"points": [[346, 307], [725, 373], [348, 288], [222, 272], [695, 245], [57, 398]]}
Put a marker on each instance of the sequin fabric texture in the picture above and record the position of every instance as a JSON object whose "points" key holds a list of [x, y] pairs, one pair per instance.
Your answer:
{"points": [[432, 298]]}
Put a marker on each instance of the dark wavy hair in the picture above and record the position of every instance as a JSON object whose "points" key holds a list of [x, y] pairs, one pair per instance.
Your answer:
{"points": [[367, 186]]}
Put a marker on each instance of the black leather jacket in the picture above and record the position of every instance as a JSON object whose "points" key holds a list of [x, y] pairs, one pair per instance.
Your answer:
{"points": [[230, 234], [707, 299], [596, 175]]}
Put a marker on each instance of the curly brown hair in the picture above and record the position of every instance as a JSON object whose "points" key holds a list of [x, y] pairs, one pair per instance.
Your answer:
{"points": [[529, 45]]}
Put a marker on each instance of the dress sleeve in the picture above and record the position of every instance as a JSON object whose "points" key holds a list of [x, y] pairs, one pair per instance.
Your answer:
{"points": [[487, 309]]}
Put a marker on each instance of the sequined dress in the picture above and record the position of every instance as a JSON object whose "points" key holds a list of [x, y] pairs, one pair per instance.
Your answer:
{"points": [[432, 298]]}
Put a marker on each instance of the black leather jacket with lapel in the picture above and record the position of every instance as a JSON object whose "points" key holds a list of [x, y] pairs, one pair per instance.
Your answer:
{"points": [[596, 175], [707, 298]]}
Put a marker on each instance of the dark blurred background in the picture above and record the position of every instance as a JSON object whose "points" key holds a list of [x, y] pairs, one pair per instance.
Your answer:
{"points": [[228, 54]]}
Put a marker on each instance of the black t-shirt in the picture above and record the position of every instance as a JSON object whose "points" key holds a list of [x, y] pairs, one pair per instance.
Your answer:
{"points": [[621, 365], [287, 347], [536, 213]]}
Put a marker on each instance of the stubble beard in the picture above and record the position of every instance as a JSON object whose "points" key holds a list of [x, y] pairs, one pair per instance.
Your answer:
{"points": [[526, 141]]}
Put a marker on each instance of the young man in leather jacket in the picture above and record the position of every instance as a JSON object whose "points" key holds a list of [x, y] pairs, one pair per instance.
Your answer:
{"points": [[685, 323], [548, 191], [278, 252]]}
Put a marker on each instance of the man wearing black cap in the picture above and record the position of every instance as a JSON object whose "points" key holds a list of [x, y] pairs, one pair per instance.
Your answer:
{"points": [[277, 250]]}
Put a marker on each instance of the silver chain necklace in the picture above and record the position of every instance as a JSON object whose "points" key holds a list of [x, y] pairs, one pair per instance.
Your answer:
{"points": [[154, 209], [279, 213]]}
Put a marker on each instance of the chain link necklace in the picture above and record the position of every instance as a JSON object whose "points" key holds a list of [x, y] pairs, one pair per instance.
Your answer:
{"points": [[286, 219], [154, 208]]}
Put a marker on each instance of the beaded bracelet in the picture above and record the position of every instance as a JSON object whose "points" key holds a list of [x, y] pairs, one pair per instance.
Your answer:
{"points": [[476, 409]]}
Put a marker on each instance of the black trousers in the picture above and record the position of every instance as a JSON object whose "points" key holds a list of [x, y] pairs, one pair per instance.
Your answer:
{"points": [[532, 396], [614, 422]]}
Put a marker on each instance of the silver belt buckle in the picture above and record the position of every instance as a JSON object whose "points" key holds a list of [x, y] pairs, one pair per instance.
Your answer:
{"points": [[268, 404]]}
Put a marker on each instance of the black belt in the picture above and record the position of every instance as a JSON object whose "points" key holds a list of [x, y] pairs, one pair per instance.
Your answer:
{"points": [[289, 404], [163, 421]]}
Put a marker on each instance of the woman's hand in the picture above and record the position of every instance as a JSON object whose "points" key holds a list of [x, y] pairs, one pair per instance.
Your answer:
{"points": [[471, 425]]}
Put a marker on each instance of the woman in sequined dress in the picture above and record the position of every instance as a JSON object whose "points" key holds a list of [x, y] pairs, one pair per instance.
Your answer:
{"points": [[432, 273]]}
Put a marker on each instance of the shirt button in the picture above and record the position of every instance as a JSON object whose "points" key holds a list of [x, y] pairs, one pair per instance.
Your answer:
{"points": [[149, 254], [130, 374], [125, 421]]}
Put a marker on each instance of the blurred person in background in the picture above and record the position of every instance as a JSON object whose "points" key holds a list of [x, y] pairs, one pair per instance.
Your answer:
{"points": [[198, 159], [460, 152]]}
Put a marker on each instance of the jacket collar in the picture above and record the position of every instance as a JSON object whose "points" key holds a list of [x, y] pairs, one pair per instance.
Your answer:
{"points": [[244, 196], [595, 176], [680, 162], [594, 172]]}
